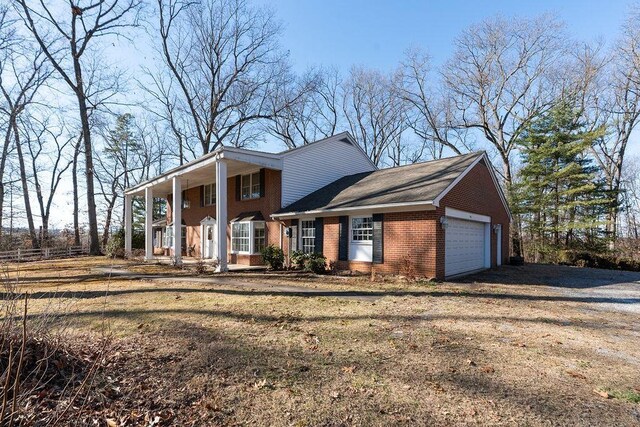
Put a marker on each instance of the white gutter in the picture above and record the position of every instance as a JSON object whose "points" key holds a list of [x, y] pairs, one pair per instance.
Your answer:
{"points": [[409, 206]]}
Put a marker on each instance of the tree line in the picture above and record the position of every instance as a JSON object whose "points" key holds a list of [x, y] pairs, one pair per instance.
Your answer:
{"points": [[556, 114]]}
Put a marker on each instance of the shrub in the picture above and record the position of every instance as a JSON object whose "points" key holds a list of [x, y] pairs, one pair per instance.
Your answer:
{"points": [[273, 257], [315, 263], [115, 245], [298, 258], [200, 266], [594, 260]]}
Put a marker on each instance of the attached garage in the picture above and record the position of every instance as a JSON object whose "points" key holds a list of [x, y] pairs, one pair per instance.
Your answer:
{"points": [[467, 241], [438, 219]]}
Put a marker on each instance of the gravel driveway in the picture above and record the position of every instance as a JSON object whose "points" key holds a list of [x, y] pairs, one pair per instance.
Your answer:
{"points": [[608, 290]]}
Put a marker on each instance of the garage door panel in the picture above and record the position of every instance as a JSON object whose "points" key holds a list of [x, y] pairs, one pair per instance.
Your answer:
{"points": [[464, 246]]}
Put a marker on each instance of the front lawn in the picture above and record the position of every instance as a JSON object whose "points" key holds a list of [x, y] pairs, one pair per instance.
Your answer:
{"points": [[257, 350]]}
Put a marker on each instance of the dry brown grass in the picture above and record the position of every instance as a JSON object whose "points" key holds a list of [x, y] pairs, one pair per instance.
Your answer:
{"points": [[393, 353]]}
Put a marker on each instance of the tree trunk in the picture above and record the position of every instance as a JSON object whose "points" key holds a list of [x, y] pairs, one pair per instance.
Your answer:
{"points": [[25, 189], [74, 175], [94, 240], [107, 221], [3, 164]]}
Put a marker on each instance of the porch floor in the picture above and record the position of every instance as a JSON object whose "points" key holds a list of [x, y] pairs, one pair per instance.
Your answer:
{"points": [[190, 261]]}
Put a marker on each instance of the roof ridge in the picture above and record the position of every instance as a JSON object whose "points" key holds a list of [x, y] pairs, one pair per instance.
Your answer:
{"points": [[472, 153]]}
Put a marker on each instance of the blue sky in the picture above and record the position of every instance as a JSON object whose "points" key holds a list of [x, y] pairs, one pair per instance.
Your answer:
{"points": [[376, 33]]}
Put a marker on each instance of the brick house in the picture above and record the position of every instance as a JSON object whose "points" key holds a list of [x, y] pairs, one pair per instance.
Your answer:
{"points": [[439, 218]]}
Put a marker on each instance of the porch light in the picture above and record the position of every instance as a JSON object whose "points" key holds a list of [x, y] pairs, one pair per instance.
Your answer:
{"points": [[496, 228], [444, 222]]}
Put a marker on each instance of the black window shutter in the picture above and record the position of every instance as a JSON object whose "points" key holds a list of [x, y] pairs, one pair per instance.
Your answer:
{"points": [[262, 180], [202, 196], [319, 240], [343, 238], [238, 184], [378, 239]]}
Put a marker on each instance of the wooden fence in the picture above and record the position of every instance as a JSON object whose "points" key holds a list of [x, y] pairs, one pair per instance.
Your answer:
{"points": [[20, 255]]}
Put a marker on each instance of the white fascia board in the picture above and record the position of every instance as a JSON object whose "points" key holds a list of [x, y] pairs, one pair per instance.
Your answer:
{"points": [[436, 201], [469, 216], [388, 207], [267, 160]]}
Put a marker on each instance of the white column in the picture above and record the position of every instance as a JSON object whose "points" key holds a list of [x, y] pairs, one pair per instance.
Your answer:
{"points": [[148, 223], [127, 225], [177, 220], [221, 214]]}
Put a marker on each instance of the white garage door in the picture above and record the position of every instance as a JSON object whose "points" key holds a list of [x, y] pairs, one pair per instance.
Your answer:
{"points": [[464, 246]]}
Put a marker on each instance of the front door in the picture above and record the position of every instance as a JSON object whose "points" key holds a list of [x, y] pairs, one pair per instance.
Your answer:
{"points": [[209, 240]]}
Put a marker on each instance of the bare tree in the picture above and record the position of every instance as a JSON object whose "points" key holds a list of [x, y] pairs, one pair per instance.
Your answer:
{"points": [[374, 110], [132, 151], [47, 145], [500, 78], [23, 70], [224, 58], [314, 112], [65, 39], [432, 113], [619, 108]]}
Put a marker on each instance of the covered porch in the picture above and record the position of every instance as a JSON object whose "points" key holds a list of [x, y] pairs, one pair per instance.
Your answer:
{"points": [[212, 170]]}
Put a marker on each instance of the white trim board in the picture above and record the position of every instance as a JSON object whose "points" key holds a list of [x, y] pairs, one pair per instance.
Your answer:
{"points": [[382, 208], [469, 216], [489, 166]]}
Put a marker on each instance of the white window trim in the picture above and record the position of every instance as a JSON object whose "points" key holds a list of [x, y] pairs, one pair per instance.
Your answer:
{"points": [[300, 240], [251, 183], [251, 237], [359, 242], [212, 194]]}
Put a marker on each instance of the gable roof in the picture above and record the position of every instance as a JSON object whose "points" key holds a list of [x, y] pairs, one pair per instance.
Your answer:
{"points": [[344, 137], [418, 184]]}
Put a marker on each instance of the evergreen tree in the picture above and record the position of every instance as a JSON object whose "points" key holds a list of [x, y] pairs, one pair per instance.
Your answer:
{"points": [[560, 197]]}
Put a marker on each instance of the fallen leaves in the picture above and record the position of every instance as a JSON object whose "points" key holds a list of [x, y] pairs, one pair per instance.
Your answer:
{"points": [[575, 374]]}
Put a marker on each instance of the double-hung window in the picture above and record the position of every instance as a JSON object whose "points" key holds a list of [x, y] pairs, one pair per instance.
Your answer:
{"points": [[248, 237], [259, 236], [250, 186], [210, 194], [362, 229], [240, 236], [168, 236], [308, 236]]}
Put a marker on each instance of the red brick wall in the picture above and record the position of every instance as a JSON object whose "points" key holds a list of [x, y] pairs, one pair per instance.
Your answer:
{"points": [[476, 193], [268, 204], [409, 245], [415, 242]]}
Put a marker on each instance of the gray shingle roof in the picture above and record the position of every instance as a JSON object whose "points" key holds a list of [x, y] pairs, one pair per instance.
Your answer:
{"points": [[420, 182]]}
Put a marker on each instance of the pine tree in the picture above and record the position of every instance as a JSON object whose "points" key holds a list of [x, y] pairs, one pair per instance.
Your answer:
{"points": [[561, 199]]}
